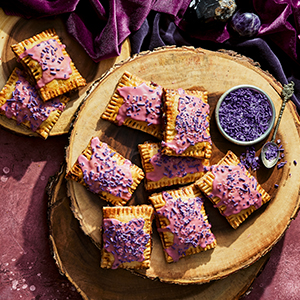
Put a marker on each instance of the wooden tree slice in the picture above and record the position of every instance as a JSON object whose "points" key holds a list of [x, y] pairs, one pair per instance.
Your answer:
{"points": [[15, 29], [215, 72], [79, 260]]}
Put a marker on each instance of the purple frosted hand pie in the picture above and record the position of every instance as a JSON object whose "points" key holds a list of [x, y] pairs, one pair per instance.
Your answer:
{"points": [[182, 222], [106, 173], [20, 101], [186, 132], [127, 237], [232, 189], [163, 170], [49, 65], [136, 103]]}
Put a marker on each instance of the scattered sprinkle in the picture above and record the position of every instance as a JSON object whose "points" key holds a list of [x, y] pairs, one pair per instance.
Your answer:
{"points": [[249, 160], [280, 165]]}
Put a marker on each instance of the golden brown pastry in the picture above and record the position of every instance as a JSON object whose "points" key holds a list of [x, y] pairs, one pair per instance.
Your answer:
{"points": [[186, 131], [163, 170], [136, 103], [106, 172], [127, 237], [49, 65], [20, 101], [232, 189], [182, 222]]}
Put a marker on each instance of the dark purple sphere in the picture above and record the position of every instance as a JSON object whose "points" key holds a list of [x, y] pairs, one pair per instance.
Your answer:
{"points": [[245, 23]]}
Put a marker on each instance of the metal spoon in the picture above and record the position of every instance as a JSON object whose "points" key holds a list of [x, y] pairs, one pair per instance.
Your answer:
{"points": [[271, 147]]}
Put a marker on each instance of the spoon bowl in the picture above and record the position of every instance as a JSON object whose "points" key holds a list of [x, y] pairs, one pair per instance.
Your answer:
{"points": [[270, 154]]}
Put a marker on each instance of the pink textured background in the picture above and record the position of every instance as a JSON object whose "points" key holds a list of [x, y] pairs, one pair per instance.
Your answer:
{"points": [[27, 268]]}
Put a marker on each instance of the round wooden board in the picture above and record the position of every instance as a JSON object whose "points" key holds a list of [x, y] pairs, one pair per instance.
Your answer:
{"points": [[15, 29], [215, 72], [79, 259]]}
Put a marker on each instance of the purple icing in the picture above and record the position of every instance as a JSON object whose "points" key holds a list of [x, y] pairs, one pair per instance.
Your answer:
{"points": [[188, 225], [126, 241], [234, 188], [191, 123], [141, 103], [50, 57], [173, 166], [25, 105], [103, 173]]}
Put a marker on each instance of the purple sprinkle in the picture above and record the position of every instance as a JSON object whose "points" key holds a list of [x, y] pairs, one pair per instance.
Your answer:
{"points": [[271, 152], [245, 114], [280, 165], [249, 160]]}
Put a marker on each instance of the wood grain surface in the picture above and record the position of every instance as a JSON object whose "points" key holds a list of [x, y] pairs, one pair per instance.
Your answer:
{"points": [[78, 259], [15, 29], [215, 72]]}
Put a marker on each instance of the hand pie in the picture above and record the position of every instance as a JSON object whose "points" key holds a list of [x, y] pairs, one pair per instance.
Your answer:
{"points": [[49, 65], [186, 131], [232, 189], [182, 222], [106, 173], [136, 103], [127, 237], [163, 170], [20, 101]]}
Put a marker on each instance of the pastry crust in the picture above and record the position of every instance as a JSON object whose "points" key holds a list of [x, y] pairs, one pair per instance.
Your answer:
{"points": [[57, 86], [170, 170], [113, 107], [193, 198], [174, 114], [205, 184], [55, 105], [76, 173], [126, 215]]}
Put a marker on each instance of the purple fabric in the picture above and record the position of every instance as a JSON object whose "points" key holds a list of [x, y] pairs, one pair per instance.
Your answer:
{"points": [[99, 26], [275, 46]]}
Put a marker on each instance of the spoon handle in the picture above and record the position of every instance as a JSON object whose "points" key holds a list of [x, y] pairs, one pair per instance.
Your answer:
{"points": [[287, 93]]}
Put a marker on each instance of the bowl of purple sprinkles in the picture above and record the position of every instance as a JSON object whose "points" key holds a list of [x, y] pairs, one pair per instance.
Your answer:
{"points": [[245, 115]]}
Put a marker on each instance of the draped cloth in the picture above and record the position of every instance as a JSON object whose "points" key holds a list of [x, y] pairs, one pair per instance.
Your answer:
{"points": [[102, 26], [99, 26]]}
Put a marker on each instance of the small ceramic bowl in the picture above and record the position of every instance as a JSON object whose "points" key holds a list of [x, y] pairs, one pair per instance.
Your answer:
{"points": [[249, 94]]}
